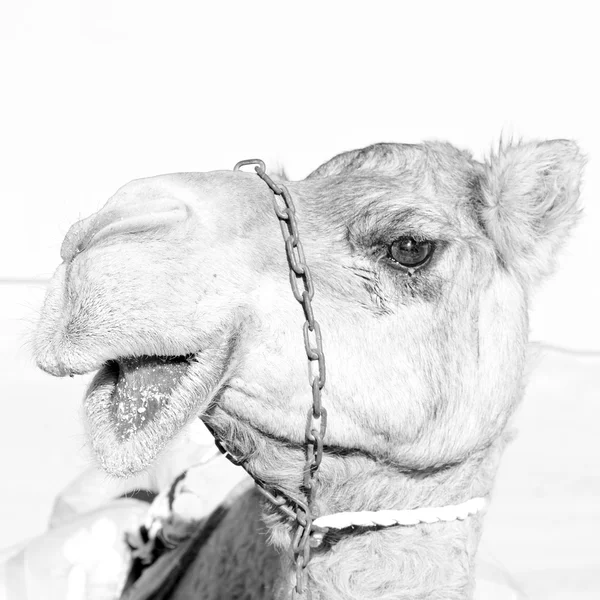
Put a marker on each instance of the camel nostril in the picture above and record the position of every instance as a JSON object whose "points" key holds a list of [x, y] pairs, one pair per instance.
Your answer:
{"points": [[139, 223], [123, 218]]}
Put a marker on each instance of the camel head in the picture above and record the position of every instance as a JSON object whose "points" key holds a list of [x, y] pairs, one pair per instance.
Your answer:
{"points": [[423, 259]]}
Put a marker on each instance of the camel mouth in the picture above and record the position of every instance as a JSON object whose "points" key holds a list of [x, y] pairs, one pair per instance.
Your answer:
{"points": [[136, 405], [143, 387]]}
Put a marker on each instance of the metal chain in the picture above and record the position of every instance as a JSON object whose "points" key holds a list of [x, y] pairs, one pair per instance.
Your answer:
{"points": [[316, 422]]}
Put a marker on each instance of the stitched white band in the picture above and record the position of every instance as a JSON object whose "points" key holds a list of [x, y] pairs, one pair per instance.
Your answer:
{"points": [[385, 518]]}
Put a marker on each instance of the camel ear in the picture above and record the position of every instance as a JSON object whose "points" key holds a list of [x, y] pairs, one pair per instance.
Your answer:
{"points": [[529, 203]]}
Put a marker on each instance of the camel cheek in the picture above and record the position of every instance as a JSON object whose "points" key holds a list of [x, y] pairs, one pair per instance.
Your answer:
{"points": [[503, 330]]}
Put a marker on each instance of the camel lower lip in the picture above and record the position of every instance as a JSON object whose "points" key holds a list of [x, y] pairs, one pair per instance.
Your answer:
{"points": [[143, 387], [181, 388], [136, 406]]}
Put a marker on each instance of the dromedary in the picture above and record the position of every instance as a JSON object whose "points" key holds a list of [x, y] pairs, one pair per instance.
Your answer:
{"points": [[423, 262]]}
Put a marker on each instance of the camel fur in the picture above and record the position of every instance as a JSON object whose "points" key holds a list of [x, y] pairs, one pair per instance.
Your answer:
{"points": [[425, 365]]}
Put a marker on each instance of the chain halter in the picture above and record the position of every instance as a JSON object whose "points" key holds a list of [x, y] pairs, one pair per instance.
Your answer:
{"points": [[303, 513]]}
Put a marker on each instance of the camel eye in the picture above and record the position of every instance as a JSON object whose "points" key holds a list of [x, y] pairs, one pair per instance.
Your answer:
{"points": [[410, 253]]}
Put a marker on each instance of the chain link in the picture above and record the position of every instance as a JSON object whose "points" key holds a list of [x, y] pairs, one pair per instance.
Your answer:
{"points": [[316, 423]]}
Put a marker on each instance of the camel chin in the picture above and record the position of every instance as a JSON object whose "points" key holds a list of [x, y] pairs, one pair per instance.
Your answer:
{"points": [[135, 406]]}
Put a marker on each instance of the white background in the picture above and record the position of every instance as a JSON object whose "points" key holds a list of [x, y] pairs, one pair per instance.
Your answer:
{"points": [[96, 93]]}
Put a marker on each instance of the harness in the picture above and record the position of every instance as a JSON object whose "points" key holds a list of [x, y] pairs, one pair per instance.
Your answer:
{"points": [[302, 512]]}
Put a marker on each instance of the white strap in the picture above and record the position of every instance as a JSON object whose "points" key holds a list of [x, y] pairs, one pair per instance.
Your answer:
{"points": [[385, 518]]}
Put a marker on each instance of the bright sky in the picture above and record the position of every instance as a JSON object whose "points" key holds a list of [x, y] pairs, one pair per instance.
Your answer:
{"points": [[96, 93]]}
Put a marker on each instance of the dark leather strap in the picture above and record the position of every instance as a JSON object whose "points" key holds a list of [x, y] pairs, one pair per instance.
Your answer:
{"points": [[158, 581]]}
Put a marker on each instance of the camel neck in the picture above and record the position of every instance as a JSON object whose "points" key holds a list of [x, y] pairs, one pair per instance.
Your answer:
{"points": [[382, 563], [368, 563], [390, 563]]}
